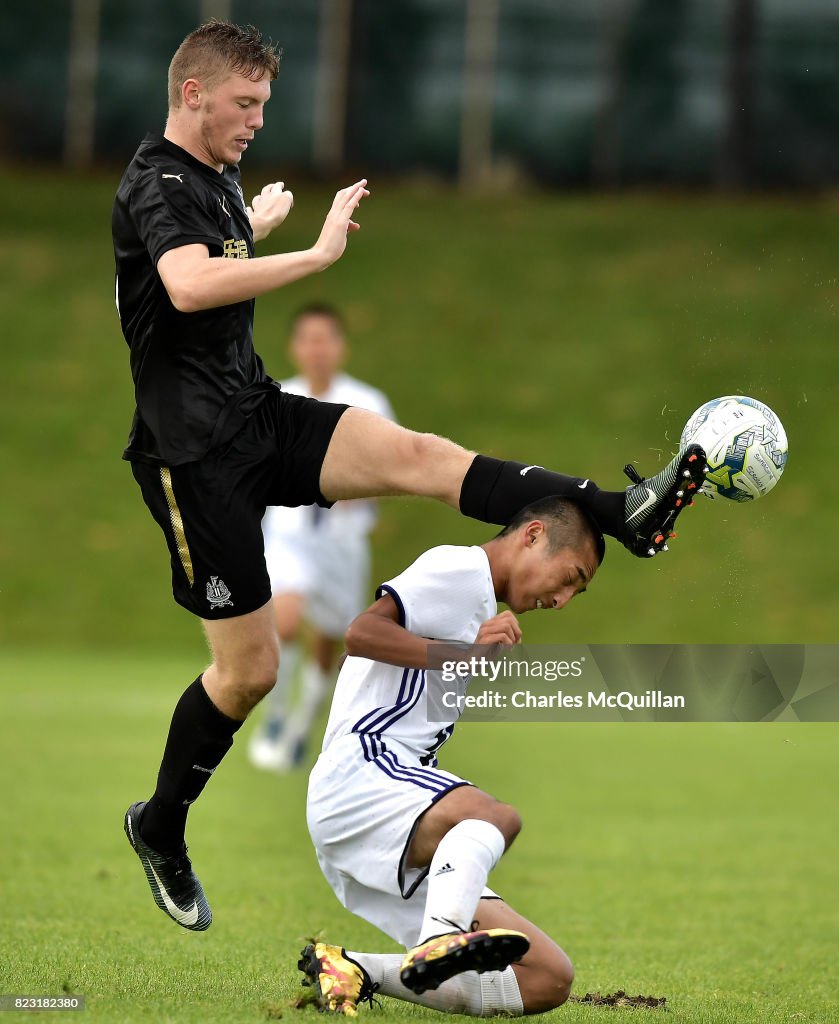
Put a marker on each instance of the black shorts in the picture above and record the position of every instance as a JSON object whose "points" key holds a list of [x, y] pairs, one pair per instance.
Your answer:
{"points": [[211, 510]]}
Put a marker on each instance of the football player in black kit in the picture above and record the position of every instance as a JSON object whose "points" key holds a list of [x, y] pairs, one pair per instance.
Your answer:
{"points": [[215, 440]]}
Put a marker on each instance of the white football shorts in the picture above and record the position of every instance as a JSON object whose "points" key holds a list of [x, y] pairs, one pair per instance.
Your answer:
{"points": [[330, 571], [362, 814]]}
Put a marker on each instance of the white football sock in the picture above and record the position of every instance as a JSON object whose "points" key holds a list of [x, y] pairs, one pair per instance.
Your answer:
{"points": [[315, 685], [477, 995], [458, 874], [277, 701]]}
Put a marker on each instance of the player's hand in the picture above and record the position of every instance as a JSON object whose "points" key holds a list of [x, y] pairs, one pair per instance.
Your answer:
{"points": [[269, 209], [333, 237], [501, 629]]}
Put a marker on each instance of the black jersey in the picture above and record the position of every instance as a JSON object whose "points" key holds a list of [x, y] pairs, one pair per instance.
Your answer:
{"points": [[196, 375]]}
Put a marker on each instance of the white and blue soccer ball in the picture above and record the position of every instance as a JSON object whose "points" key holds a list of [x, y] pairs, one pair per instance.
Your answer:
{"points": [[746, 445]]}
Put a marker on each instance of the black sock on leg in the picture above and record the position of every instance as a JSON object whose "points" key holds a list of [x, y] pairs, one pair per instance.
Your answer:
{"points": [[199, 737], [494, 491]]}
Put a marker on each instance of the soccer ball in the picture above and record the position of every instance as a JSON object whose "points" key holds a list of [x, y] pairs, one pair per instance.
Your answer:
{"points": [[746, 445]]}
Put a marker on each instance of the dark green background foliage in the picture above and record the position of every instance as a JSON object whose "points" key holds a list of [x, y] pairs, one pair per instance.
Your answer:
{"points": [[584, 90]]}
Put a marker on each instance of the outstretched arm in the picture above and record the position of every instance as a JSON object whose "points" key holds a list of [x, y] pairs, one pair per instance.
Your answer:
{"points": [[376, 634], [196, 281]]}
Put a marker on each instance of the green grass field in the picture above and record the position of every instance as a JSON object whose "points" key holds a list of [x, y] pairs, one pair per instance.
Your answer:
{"points": [[573, 332], [693, 862]]}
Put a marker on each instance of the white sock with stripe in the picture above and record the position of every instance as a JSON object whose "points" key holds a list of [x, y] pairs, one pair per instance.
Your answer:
{"points": [[477, 995], [458, 875]]}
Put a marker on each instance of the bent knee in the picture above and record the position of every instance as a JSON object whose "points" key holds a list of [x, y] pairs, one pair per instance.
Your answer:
{"points": [[252, 676], [549, 986], [508, 821], [503, 816], [261, 674]]}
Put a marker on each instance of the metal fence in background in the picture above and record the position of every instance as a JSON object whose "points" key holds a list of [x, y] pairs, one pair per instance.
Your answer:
{"points": [[607, 92]]}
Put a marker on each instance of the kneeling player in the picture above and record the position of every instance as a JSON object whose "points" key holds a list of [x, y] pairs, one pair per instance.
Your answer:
{"points": [[404, 844]]}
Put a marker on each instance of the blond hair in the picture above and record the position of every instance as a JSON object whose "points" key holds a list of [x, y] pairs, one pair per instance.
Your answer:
{"points": [[217, 48]]}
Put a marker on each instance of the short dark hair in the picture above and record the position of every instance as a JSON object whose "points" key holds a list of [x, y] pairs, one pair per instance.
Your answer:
{"points": [[217, 47], [566, 522], [319, 309]]}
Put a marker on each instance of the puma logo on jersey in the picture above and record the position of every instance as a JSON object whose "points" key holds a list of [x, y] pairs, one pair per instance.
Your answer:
{"points": [[527, 469], [179, 177], [224, 209]]}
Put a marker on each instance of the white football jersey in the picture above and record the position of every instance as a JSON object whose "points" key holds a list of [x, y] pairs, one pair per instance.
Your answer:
{"points": [[345, 516], [445, 595]]}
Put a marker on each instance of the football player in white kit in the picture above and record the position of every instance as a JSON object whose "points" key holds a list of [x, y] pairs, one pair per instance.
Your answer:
{"points": [[318, 559], [404, 844]]}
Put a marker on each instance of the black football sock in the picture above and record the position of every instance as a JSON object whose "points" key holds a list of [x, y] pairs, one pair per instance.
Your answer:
{"points": [[494, 491], [199, 737]]}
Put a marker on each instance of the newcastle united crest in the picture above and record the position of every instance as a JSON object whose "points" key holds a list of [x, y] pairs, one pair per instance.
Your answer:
{"points": [[217, 593]]}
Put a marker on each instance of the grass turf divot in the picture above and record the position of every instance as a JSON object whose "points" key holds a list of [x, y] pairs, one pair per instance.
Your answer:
{"points": [[621, 1000]]}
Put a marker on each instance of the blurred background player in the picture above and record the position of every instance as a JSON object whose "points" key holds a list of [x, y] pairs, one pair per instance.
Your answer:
{"points": [[318, 559]]}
